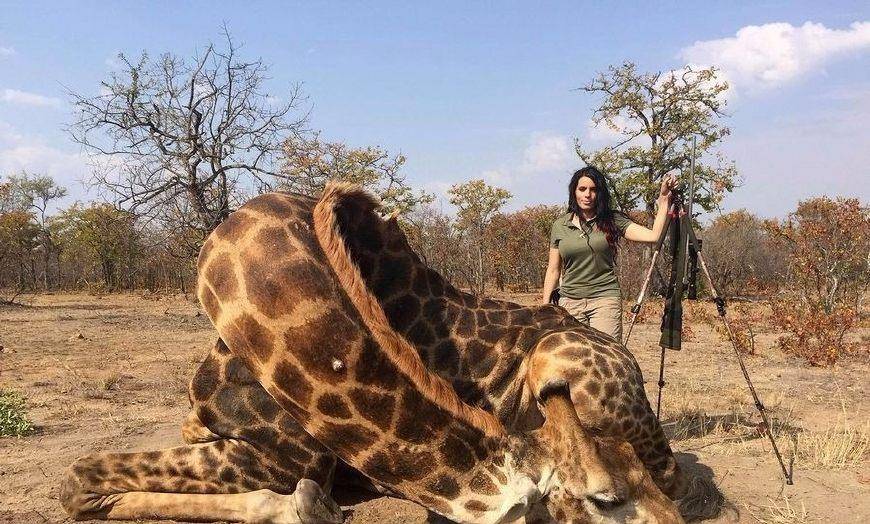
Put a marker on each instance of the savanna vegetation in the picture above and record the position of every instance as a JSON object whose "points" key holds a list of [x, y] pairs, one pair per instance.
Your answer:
{"points": [[179, 143]]}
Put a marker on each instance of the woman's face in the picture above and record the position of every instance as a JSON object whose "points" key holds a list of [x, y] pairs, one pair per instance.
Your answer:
{"points": [[586, 193]]}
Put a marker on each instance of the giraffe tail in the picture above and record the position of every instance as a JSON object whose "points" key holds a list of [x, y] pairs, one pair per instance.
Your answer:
{"points": [[701, 501]]}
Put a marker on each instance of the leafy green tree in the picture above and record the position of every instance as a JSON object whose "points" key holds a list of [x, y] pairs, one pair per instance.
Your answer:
{"points": [[310, 162], [35, 193], [655, 116], [19, 236], [102, 235], [477, 203]]}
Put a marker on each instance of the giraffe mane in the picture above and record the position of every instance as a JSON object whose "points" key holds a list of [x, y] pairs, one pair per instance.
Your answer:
{"points": [[396, 347]]}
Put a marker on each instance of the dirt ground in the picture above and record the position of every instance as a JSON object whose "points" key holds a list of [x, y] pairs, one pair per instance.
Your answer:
{"points": [[109, 372]]}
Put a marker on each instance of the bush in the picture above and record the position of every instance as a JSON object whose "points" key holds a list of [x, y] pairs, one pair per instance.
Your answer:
{"points": [[828, 241], [741, 256], [812, 333], [13, 417]]}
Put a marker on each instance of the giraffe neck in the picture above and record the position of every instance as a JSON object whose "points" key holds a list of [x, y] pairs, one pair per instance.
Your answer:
{"points": [[478, 344], [305, 330]]}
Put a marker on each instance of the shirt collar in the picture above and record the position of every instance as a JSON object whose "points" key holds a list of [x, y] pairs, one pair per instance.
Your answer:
{"points": [[566, 220]]}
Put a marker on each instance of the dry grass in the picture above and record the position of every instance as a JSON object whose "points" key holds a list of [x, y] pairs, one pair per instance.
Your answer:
{"points": [[782, 511], [728, 425], [842, 446]]}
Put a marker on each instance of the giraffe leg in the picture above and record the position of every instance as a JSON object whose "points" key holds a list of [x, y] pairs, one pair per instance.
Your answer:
{"points": [[228, 402], [193, 431], [222, 480]]}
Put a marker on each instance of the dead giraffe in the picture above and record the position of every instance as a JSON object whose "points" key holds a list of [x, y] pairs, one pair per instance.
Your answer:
{"points": [[302, 324], [481, 346]]}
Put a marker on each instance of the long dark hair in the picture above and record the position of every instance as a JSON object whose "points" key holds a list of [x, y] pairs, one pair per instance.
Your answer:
{"points": [[603, 212]]}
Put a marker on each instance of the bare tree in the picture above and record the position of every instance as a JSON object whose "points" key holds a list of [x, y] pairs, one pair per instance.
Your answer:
{"points": [[181, 139]]}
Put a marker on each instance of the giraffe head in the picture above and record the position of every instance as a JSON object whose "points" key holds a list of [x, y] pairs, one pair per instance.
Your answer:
{"points": [[583, 477]]}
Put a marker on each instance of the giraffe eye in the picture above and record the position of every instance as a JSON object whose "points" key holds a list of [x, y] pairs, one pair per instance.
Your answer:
{"points": [[605, 501]]}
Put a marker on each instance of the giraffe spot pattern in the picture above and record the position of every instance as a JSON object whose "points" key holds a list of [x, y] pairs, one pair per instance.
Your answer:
{"points": [[205, 381], [375, 407], [444, 486], [273, 205], [420, 420], [292, 382], [319, 342], [374, 369], [456, 454], [333, 405], [210, 303], [268, 282], [476, 506], [236, 226], [247, 337], [482, 484], [346, 439]]}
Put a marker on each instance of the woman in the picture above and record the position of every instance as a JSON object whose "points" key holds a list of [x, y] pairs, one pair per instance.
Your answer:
{"points": [[583, 249]]}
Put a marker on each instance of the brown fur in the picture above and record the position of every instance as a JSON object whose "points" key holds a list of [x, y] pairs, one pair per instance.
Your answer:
{"points": [[400, 351]]}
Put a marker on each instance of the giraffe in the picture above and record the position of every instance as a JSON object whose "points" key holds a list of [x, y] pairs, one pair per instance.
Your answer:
{"points": [[481, 345], [312, 369]]}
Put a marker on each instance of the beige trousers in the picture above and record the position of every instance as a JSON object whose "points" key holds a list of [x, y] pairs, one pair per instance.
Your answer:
{"points": [[603, 313]]}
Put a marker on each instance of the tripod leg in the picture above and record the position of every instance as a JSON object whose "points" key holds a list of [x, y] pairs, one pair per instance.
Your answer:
{"points": [[661, 385], [720, 307], [635, 309]]}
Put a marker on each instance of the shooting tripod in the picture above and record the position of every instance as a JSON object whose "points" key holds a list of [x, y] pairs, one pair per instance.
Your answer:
{"points": [[679, 227]]}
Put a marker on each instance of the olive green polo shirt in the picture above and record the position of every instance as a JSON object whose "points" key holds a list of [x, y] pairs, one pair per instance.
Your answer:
{"points": [[587, 260]]}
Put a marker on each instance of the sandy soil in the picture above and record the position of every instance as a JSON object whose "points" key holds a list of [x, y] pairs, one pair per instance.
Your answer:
{"points": [[109, 372]]}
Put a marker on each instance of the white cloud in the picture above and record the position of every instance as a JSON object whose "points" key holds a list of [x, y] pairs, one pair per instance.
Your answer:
{"points": [[6, 51], [497, 177], [20, 152], [8, 134], [547, 152], [770, 55], [14, 96]]}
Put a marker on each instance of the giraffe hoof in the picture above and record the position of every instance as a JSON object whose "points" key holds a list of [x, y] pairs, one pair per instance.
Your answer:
{"points": [[314, 506]]}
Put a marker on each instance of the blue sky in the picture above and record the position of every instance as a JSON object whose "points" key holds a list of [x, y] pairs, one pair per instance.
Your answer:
{"points": [[481, 91]]}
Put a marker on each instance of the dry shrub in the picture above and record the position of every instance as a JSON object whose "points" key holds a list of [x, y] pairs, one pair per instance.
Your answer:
{"points": [[813, 334], [742, 257], [688, 334], [700, 312], [828, 241], [650, 311], [742, 319]]}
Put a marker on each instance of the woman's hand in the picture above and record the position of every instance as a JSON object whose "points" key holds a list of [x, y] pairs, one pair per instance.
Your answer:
{"points": [[669, 182]]}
